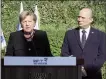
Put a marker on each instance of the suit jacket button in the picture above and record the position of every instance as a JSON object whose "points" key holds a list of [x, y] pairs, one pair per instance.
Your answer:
{"points": [[29, 49]]}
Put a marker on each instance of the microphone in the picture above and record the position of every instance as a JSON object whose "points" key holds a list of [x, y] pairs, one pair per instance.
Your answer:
{"points": [[29, 35]]}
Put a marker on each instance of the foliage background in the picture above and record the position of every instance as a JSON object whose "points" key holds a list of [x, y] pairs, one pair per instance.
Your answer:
{"points": [[55, 18]]}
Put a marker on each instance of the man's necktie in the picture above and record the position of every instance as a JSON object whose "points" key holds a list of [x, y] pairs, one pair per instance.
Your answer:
{"points": [[83, 38]]}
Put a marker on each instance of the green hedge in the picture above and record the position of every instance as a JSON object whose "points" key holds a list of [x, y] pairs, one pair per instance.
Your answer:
{"points": [[55, 36]]}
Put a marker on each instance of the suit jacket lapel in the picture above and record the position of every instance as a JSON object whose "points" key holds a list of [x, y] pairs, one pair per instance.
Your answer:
{"points": [[90, 37], [78, 37]]}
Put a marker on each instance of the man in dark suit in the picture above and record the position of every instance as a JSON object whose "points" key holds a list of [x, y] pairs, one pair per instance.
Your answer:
{"points": [[28, 42], [88, 43]]}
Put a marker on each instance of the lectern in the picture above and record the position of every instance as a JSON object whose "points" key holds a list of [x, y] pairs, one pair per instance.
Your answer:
{"points": [[41, 68]]}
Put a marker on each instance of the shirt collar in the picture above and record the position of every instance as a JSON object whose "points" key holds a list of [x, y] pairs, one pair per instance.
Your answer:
{"points": [[87, 29]]}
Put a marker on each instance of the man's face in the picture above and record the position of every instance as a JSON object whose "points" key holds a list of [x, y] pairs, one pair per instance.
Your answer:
{"points": [[84, 19], [28, 24]]}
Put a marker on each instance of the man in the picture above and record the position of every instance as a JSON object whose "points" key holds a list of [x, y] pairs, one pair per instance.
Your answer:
{"points": [[28, 42], [88, 43]]}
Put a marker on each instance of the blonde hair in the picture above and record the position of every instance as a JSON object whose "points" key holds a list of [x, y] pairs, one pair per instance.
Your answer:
{"points": [[24, 14]]}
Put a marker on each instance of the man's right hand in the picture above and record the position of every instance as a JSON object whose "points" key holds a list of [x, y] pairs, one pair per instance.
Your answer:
{"points": [[83, 71]]}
